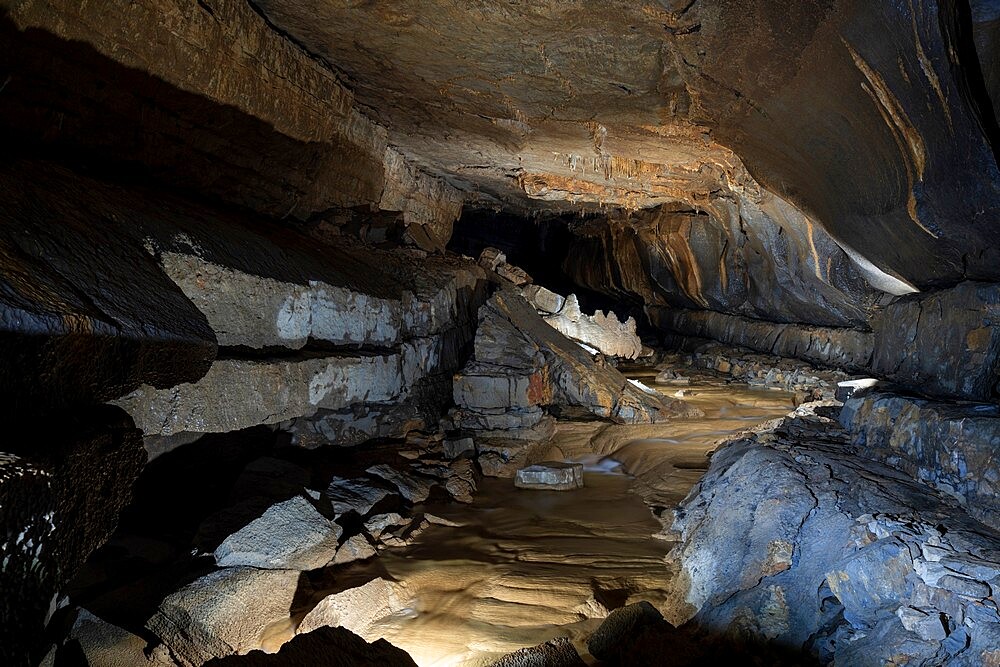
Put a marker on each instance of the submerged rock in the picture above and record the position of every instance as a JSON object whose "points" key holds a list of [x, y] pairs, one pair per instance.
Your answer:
{"points": [[550, 475]]}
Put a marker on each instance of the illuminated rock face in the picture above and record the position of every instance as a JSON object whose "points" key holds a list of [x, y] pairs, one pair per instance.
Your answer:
{"points": [[231, 215]]}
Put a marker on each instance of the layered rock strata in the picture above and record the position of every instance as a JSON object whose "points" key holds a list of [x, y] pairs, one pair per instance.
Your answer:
{"points": [[948, 446], [521, 369], [795, 537], [210, 97]]}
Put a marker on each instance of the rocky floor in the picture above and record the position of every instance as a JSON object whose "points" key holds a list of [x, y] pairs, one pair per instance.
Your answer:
{"points": [[381, 540]]}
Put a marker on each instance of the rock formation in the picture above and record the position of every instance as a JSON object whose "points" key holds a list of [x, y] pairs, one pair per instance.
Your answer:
{"points": [[245, 347]]}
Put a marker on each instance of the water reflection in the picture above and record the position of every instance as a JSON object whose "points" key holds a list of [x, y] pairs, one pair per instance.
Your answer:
{"points": [[528, 566]]}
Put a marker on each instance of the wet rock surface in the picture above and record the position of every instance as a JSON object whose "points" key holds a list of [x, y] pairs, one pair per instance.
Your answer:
{"points": [[551, 475], [950, 447], [790, 538]]}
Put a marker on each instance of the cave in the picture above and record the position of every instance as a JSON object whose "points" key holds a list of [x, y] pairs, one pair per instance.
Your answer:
{"points": [[455, 334]]}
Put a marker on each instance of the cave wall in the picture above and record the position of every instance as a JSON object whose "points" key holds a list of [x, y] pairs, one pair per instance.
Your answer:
{"points": [[208, 97], [866, 115]]}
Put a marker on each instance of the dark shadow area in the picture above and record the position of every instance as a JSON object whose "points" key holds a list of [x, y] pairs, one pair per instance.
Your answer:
{"points": [[63, 99]]}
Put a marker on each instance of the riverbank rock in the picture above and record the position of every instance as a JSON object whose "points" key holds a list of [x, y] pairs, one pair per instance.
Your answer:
{"points": [[795, 538], [291, 535], [323, 647], [551, 476], [949, 446], [223, 613], [558, 652]]}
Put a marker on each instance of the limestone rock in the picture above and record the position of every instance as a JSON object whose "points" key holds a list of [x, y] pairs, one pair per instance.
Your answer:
{"points": [[943, 344], [558, 652], [323, 647], [291, 535], [355, 426], [355, 548], [789, 511], [356, 608], [948, 446], [455, 447], [623, 627], [378, 524], [223, 613], [544, 300], [846, 349], [238, 393], [354, 495], [550, 475], [414, 488], [108, 645], [549, 368], [492, 259], [599, 331]]}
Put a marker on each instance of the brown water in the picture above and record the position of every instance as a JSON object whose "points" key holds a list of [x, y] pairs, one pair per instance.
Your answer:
{"points": [[528, 566]]}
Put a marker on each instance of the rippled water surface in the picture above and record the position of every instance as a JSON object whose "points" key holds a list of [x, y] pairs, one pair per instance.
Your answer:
{"points": [[527, 566]]}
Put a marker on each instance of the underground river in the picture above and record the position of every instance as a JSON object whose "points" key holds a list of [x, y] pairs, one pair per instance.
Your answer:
{"points": [[525, 566]]}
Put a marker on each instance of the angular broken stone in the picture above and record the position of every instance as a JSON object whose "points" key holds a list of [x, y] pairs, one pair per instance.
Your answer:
{"points": [[223, 613], [544, 300], [355, 548], [291, 535], [551, 476], [455, 447], [356, 608], [558, 652], [379, 523], [354, 495], [413, 488]]}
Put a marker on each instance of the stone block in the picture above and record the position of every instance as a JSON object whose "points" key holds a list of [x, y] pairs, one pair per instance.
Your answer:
{"points": [[551, 476]]}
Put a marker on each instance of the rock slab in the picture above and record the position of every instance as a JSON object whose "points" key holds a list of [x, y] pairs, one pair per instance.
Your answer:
{"points": [[551, 476]]}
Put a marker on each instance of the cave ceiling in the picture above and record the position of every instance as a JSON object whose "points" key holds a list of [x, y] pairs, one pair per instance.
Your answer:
{"points": [[871, 118]]}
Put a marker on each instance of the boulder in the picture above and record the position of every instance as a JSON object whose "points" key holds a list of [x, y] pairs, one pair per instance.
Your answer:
{"points": [[358, 494], [414, 488], [356, 608], [550, 476], [291, 535], [323, 647], [355, 548], [108, 645], [949, 446], [622, 628], [222, 613], [790, 540], [558, 652]]}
